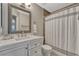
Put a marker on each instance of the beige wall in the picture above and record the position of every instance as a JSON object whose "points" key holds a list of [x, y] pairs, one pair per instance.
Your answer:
{"points": [[37, 17]]}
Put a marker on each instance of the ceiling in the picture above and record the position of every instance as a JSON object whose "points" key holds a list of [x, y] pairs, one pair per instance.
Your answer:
{"points": [[50, 7]]}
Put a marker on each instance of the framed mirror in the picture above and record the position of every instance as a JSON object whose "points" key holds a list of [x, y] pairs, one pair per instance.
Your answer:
{"points": [[19, 19]]}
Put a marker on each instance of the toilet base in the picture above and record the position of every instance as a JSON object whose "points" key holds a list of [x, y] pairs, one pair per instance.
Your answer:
{"points": [[46, 50]]}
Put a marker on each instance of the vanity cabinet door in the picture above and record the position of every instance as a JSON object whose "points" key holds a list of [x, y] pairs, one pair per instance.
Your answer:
{"points": [[35, 51], [35, 43], [14, 52]]}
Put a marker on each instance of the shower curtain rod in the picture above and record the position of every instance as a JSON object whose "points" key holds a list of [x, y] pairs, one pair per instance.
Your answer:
{"points": [[74, 13], [64, 8]]}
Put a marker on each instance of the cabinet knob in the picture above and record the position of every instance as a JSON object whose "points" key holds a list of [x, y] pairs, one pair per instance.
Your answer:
{"points": [[35, 44], [26, 48], [78, 17], [35, 51]]}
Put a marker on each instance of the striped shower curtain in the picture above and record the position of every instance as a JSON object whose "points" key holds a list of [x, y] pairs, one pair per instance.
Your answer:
{"points": [[61, 30]]}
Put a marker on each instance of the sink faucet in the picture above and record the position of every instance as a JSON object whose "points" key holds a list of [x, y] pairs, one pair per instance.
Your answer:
{"points": [[22, 34]]}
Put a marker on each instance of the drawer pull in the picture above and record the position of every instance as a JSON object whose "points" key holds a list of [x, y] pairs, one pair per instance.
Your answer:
{"points": [[78, 17], [26, 48], [35, 44], [35, 51]]}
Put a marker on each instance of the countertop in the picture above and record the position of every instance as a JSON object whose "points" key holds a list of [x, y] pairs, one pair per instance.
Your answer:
{"points": [[4, 43]]}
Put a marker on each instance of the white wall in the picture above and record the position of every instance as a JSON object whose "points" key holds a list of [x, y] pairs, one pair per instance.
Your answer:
{"points": [[51, 7]]}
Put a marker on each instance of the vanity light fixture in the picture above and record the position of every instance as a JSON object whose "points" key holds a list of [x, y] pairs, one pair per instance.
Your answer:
{"points": [[25, 5], [28, 5]]}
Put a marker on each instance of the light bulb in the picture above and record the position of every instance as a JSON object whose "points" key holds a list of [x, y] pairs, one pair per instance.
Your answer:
{"points": [[27, 4]]}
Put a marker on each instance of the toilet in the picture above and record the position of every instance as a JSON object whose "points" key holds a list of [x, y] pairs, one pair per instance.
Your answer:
{"points": [[46, 50]]}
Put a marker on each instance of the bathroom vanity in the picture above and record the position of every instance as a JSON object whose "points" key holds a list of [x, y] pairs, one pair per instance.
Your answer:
{"points": [[21, 47]]}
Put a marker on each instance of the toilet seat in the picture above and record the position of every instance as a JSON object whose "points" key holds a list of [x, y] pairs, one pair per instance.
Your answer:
{"points": [[46, 47], [46, 50]]}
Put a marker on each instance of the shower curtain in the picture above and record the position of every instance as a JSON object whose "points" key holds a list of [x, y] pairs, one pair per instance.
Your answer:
{"points": [[61, 30]]}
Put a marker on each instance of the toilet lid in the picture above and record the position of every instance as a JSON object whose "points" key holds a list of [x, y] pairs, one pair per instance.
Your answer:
{"points": [[46, 47]]}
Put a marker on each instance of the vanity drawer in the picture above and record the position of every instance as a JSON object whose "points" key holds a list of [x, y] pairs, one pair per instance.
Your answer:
{"points": [[35, 43], [19, 51], [14, 45], [35, 52]]}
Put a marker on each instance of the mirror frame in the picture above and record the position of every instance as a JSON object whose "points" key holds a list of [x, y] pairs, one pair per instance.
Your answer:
{"points": [[1, 15], [10, 17]]}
